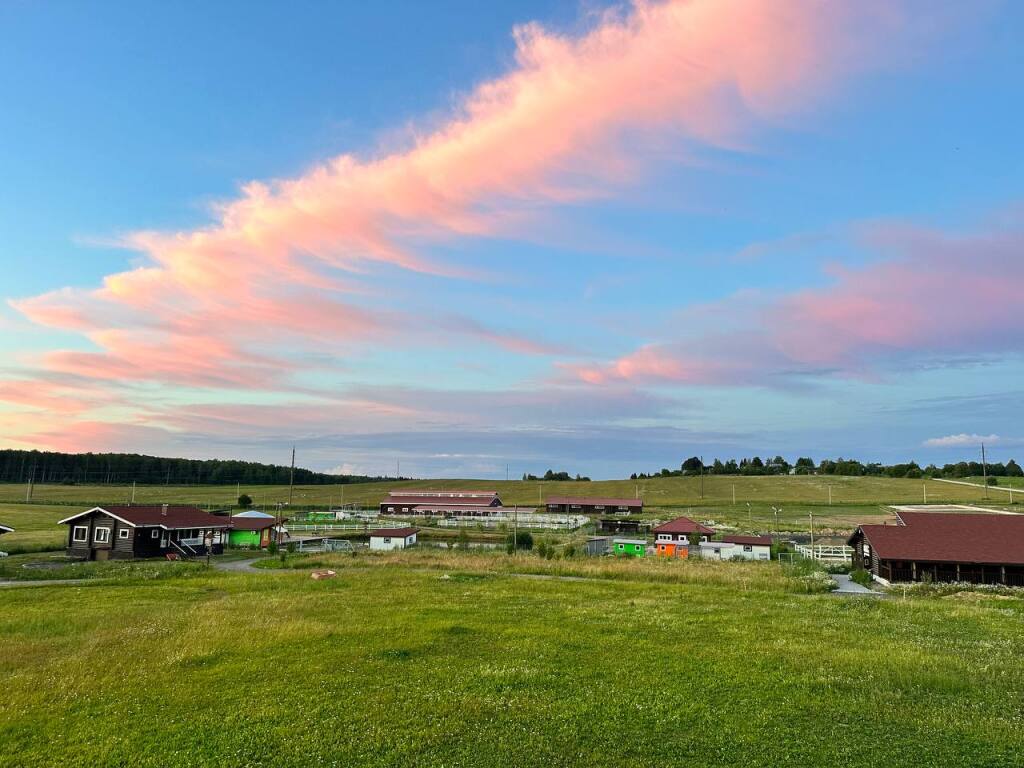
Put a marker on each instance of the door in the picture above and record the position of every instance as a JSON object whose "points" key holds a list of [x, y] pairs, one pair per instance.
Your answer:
{"points": [[165, 539]]}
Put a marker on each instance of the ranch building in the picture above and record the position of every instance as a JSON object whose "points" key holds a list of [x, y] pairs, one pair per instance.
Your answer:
{"points": [[586, 505], [127, 532], [476, 503], [941, 546], [618, 525], [384, 539]]}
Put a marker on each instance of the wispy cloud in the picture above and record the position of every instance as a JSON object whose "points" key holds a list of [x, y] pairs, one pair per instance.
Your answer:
{"points": [[928, 298], [957, 441]]}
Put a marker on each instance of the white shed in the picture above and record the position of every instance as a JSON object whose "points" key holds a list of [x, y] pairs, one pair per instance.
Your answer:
{"points": [[745, 547], [384, 539]]}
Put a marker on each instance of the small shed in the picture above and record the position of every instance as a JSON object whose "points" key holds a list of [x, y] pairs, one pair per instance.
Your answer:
{"points": [[630, 547], [598, 545], [671, 549], [385, 539], [255, 532]]}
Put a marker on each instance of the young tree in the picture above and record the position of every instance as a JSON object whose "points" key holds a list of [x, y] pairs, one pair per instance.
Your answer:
{"points": [[245, 501]]}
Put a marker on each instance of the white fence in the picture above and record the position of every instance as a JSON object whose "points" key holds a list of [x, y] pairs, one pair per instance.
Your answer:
{"points": [[826, 552], [527, 522]]}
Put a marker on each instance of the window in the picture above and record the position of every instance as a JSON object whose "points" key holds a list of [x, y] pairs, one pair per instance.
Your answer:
{"points": [[123, 533], [391, 509], [747, 548], [81, 533], [387, 539], [664, 537], [101, 535], [155, 533]]}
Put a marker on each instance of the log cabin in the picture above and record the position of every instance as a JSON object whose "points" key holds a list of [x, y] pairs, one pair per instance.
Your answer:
{"points": [[128, 532]]}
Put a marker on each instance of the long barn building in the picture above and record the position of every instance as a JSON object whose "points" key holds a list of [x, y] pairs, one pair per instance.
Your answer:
{"points": [[939, 546], [441, 503], [592, 505]]}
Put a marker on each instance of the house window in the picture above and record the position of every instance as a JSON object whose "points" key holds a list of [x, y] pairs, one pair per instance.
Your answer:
{"points": [[747, 548], [123, 533], [101, 535], [81, 533], [391, 509], [387, 540], [703, 538], [154, 534]]}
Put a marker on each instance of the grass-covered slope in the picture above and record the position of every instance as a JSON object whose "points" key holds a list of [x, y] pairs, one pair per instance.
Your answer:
{"points": [[445, 661]]}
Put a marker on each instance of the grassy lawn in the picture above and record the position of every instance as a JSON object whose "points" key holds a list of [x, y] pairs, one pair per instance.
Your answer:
{"points": [[854, 500], [35, 527], [448, 659]]}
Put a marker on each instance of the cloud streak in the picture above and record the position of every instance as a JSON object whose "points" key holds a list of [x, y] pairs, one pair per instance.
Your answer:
{"points": [[929, 298]]}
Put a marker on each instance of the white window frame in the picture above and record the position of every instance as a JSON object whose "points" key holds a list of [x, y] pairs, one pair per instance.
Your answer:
{"points": [[155, 534], [85, 534], [97, 539], [124, 533], [387, 539], [747, 548]]}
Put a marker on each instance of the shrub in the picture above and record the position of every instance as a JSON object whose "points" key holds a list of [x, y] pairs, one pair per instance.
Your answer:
{"points": [[860, 576], [522, 540], [569, 551], [272, 547], [245, 501]]}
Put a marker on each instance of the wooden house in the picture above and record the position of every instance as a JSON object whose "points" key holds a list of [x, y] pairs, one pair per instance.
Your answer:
{"points": [[683, 531], [592, 505], [940, 546], [127, 532], [384, 539]]}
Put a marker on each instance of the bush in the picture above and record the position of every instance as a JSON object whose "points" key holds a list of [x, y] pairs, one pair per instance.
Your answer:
{"points": [[569, 551], [245, 501], [522, 540], [272, 547], [860, 576]]}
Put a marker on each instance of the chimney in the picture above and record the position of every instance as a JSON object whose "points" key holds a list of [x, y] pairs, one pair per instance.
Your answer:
{"points": [[163, 510]]}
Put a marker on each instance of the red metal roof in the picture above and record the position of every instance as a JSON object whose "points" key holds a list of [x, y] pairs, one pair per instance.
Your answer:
{"points": [[170, 516], [398, 533], [683, 525], [759, 541], [443, 494], [950, 538], [600, 501]]}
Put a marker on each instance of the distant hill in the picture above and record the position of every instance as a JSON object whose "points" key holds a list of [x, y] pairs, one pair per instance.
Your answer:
{"points": [[107, 468]]}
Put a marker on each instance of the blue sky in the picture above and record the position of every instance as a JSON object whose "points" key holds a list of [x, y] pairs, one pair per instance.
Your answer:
{"points": [[603, 242]]}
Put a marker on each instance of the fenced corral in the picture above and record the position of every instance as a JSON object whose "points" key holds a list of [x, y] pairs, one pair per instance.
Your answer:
{"points": [[323, 545], [536, 522], [826, 553]]}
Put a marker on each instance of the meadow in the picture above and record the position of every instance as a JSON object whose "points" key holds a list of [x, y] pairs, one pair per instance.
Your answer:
{"points": [[742, 502], [459, 659]]}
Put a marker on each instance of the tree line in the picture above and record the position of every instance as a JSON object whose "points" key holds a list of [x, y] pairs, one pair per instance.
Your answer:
{"points": [[121, 468], [840, 466], [560, 476]]}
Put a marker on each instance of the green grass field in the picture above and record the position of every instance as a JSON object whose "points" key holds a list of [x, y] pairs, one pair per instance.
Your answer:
{"points": [[854, 500], [431, 659]]}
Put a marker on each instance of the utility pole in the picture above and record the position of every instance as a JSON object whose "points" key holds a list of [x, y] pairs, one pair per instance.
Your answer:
{"points": [[811, 513], [506, 473], [830, 495], [28, 491], [734, 497], [984, 470], [750, 518], [291, 478], [702, 478], [925, 487], [776, 510], [133, 491]]}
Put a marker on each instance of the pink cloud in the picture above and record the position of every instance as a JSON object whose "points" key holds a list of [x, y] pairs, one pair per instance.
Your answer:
{"points": [[934, 296], [295, 269]]}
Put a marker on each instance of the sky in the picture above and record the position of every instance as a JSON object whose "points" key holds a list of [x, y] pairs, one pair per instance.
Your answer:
{"points": [[477, 238]]}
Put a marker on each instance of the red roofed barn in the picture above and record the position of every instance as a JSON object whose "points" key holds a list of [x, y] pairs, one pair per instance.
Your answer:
{"points": [[935, 546]]}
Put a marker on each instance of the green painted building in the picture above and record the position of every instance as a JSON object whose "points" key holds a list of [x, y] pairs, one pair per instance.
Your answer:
{"points": [[630, 547], [251, 531]]}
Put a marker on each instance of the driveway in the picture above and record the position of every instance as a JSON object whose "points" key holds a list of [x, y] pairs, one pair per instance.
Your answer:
{"points": [[239, 566], [848, 586]]}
